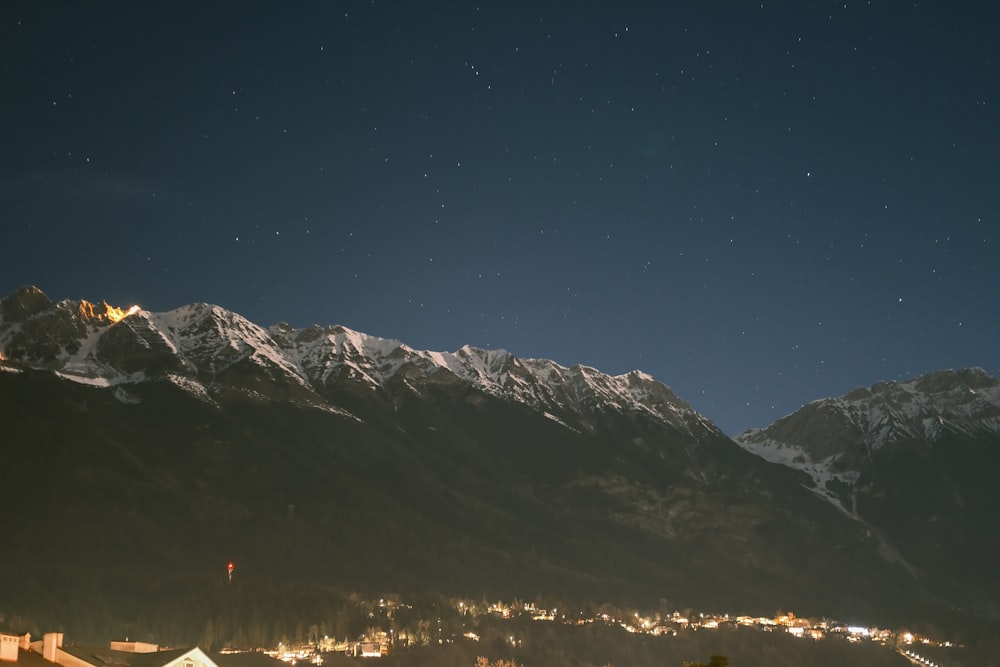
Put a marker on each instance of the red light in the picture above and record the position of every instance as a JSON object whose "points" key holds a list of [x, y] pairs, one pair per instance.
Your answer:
{"points": [[230, 567]]}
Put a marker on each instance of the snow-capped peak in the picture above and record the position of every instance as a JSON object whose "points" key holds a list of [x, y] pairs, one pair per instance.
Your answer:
{"points": [[832, 438]]}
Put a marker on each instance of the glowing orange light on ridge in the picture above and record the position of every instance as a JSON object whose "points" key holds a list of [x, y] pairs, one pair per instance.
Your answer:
{"points": [[117, 314]]}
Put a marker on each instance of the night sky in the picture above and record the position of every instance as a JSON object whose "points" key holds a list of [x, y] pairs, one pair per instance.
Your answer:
{"points": [[758, 203]]}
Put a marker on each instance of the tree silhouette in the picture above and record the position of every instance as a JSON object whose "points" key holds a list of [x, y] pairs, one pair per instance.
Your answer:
{"points": [[484, 662], [713, 661]]}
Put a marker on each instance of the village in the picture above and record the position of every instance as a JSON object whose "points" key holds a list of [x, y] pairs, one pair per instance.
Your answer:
{"points": [[22, 650], [379, 643]]}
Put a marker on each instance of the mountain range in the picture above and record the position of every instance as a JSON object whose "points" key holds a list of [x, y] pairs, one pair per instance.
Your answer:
{"points": [[143, 451]]}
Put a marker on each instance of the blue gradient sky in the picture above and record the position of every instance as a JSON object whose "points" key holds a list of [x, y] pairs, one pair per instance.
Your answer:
{"points": [[760, 204]]}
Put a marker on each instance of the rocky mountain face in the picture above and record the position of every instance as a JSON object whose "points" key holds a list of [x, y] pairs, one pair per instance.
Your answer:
{"points": [[213, 352], [146, 450], [915, 463]]}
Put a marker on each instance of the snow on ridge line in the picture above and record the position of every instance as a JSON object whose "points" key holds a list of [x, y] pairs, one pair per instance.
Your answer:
{"points": [[203, 333], [858, 399], [923, 407], [234, 330], [101, 380], [154, 320], [461, 361], [491, 370]]}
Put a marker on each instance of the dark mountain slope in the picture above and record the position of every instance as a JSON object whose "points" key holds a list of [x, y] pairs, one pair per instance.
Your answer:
{"points": [[915, 462], [148, 452]]}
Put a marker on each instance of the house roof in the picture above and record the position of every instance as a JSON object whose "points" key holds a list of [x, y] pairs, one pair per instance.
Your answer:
{"points": [[100, 656], [31, 659], [247, 659], [158, 658]]}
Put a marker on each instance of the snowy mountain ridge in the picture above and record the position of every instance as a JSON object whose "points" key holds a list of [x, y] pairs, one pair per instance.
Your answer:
{"points": [[323, 353], [200, 347], [832, 439]]}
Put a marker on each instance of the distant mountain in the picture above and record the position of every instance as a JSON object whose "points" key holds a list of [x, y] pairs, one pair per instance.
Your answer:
{"points": [[149, 449], [916, 463]]}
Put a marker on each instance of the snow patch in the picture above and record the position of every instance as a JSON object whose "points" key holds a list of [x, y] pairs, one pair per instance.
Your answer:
{"points": [[559, 421]]}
